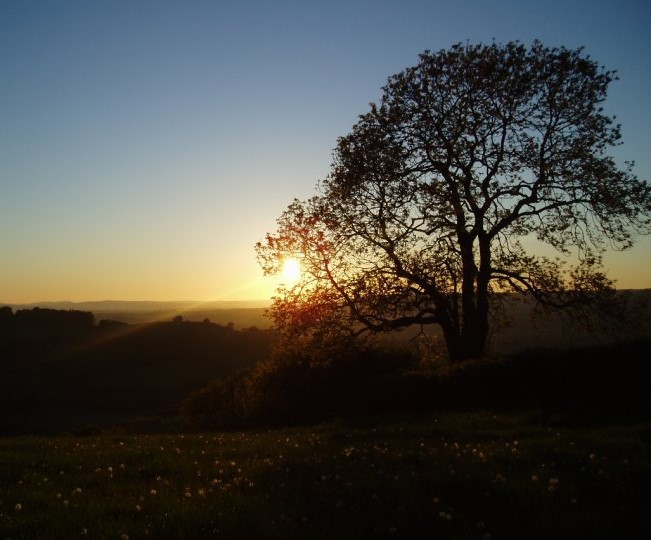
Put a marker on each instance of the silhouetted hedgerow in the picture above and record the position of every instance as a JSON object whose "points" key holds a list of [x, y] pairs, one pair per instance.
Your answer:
{"points": [[292, 388], [594, 384]]}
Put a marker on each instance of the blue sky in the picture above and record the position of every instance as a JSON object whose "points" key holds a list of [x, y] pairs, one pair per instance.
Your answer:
{"points": [[146, 146]]}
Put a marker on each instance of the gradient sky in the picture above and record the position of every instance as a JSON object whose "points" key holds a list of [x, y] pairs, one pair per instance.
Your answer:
{"points": [[145, 146]]}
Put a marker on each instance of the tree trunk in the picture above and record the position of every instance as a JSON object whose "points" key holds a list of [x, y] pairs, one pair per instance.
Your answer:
{"points": [[465, 347], [466, 337]]}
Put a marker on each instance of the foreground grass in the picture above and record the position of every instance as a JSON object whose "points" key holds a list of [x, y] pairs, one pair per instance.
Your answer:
{"points": [[460, 476]]}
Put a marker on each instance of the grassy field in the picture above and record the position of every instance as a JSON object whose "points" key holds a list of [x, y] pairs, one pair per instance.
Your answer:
{"points": [[464, 476]]}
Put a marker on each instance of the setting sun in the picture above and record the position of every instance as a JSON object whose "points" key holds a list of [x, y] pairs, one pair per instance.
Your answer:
{"points": [[291, 272]]}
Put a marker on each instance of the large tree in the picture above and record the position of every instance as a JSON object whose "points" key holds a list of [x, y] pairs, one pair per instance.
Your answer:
{"points": [[437, 194]]}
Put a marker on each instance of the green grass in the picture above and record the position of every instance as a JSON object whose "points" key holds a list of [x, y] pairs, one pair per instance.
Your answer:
{"points": [[462, 476]]}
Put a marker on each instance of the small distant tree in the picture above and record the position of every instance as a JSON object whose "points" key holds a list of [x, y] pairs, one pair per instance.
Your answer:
{"points": [[6, 314], [435, 193]]}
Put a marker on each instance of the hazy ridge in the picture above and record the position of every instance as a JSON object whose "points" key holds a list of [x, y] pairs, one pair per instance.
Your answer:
{"points": [[142, 305], [523, 331], [242, 313]]}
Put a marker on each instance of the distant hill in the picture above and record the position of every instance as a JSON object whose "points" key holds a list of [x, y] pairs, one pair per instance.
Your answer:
{"points": [[522, 331], [142, 305], [53, 362], [242, 314]]}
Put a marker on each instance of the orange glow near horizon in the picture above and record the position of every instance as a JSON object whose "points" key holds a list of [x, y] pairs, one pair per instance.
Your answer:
{"points": [[233, 278]]}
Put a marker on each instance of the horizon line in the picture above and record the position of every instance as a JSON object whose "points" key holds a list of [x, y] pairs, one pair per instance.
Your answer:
{"points": [[197, 303], [266, 301]]}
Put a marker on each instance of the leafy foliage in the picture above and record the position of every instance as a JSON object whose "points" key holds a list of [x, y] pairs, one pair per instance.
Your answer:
{"points": [[294, 387], [590, 384], [435, 194]]}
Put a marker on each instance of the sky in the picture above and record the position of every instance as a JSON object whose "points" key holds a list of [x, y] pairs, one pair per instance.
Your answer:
{"points": [[145, 146]]}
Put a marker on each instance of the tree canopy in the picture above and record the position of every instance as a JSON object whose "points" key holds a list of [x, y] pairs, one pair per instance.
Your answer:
{"points": [[435, 195]]}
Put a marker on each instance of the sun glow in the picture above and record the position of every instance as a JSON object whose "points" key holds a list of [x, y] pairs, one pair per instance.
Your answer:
{"points": [[291, 272]]}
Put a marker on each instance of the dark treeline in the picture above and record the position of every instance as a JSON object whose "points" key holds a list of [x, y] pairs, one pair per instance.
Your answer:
{"points": [[589, 384], [43, 324], [47, 318], [61, 364]]}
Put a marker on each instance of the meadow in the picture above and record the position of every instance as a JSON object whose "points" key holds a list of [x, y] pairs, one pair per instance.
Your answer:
{"points": [[473, 475]]}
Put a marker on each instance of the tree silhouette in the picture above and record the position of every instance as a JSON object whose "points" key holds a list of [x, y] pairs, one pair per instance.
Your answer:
{"points": [[435, 194]]}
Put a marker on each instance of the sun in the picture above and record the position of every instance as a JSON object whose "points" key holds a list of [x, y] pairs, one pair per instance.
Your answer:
{"points": [[291, 272]]}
